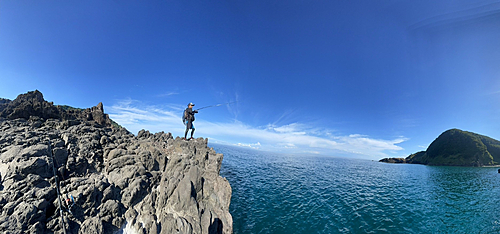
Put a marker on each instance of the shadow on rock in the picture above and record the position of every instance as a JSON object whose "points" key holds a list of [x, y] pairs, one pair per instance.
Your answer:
{"points": [[216, 227]]}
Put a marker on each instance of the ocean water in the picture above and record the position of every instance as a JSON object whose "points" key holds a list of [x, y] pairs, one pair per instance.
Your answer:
{"points": [[277, 193]]}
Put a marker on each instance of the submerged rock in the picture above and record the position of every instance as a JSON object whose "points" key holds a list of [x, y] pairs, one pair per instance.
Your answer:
{"points": [[149, 183]]}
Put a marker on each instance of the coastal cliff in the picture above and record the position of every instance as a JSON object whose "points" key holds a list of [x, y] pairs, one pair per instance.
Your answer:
{"points": [[455, 147], [110, 181]]}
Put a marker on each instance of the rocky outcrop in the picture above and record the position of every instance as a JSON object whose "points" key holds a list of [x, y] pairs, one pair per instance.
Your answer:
{"points": [[455, 147], [3, 102], [113, 181], [27, 105], [393, 160], [32, 104]]}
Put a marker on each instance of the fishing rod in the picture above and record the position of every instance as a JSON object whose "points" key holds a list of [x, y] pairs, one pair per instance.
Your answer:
{"points": [[216, 105]]}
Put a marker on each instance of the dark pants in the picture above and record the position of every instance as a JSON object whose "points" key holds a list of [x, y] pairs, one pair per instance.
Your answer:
{"points": [[189, 125]]}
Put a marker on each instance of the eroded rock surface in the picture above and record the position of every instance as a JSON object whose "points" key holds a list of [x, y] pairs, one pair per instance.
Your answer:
{"points": [[149, 183]]}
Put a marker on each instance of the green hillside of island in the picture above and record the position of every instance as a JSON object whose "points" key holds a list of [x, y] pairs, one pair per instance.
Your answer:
{"points": [[455, 147]]}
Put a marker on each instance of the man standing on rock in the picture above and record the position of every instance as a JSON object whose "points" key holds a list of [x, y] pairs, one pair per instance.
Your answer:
{"points": [[188, 119]]}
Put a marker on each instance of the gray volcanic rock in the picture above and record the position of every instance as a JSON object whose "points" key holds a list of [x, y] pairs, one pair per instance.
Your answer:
{"points": [[32, 105], [3, 103], [149, 183], [29, 104]]}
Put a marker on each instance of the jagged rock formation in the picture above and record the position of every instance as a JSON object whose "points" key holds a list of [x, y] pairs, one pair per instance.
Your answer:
{"points": [[455, 147], [149, 183], [27, 105], [32, 104]]}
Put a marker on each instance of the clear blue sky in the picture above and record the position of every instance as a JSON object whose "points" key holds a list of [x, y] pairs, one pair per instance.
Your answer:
{"points": [[365, 79]]}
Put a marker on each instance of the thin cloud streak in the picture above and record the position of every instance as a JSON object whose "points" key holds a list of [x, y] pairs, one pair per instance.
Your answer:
{"points": [[294, 138]]}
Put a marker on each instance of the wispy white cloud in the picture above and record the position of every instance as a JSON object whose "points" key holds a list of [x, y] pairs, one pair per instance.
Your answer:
{"points": [[293, 128], [493, 93], [167, 94], [135, 116], [295, 137], [253, 146]]}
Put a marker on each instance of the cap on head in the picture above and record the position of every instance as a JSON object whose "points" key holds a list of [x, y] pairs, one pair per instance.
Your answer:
{"points": [[191, 104]]}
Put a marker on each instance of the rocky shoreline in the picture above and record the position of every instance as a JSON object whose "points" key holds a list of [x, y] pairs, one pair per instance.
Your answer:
{"points": [[114, 182]]}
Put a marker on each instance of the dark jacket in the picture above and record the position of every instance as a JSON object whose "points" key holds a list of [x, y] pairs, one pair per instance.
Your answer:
{"points": [[189, 114]]}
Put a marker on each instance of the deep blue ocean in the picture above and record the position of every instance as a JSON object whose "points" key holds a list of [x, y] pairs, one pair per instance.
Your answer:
{"points": [[279, 193]]}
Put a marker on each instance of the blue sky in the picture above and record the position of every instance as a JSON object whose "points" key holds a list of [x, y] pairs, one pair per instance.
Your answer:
{"points": [[367, 79]]}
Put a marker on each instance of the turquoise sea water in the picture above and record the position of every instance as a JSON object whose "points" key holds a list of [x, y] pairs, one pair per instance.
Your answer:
{"points": [[276, 193]]}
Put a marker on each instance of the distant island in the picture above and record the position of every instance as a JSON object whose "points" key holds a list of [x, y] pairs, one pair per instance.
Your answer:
{"points": [[455, 147]]}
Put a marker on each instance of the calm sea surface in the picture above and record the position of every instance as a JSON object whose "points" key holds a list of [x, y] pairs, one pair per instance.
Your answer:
{"points": [[276, 193]]}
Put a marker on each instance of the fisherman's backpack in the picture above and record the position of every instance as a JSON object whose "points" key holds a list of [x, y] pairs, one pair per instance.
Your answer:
{"points": [[186, 116]]}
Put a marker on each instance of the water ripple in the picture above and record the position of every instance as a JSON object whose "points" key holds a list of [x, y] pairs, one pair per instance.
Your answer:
{"points": [[275, 193]]}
